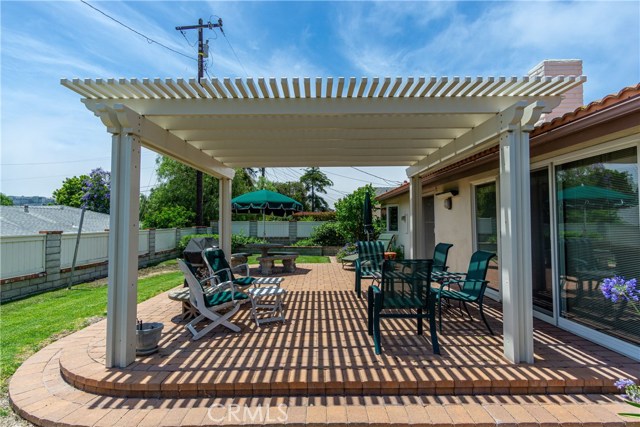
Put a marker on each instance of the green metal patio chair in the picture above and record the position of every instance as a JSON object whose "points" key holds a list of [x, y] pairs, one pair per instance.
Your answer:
{"points": [[369, 262], [440, 255], [387, 239], [472, 285], [404, 292]]}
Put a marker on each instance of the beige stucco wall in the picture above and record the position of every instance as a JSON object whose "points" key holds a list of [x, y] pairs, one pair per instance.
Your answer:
{"points": [[456, 225], [452, 226]]}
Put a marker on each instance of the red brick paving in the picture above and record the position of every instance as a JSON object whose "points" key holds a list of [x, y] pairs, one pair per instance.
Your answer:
{"points": [[321, 363]]}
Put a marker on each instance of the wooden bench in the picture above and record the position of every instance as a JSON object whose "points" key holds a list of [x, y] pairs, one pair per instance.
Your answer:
{"points": [[288, 262]]}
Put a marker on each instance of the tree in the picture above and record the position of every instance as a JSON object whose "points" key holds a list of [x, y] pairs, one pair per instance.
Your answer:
{"points": [[5, 200], [97, 191], [70, 193], [168, 217], [315, 181], [177, 181], [295, 190], [349, 213]]}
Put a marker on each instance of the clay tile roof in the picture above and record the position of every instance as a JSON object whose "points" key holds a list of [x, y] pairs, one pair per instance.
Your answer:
{"points": [[604, 103]]}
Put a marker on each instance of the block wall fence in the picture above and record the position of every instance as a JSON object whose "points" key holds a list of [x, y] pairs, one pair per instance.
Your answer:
{"points": [[39, 263]]}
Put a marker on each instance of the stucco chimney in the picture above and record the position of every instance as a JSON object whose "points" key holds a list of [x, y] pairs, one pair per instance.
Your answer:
{"points": [[572, 99]]}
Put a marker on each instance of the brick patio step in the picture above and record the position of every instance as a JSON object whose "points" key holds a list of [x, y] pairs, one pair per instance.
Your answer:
{"points": [[39, 394]]}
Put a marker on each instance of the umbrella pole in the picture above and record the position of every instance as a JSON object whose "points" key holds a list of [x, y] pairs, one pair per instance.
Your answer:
{"points": [[264, 226]]}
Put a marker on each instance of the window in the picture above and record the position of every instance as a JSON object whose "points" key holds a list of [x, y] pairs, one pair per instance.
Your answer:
{"points": [[392, 218], [486, 220], [598, 235]]}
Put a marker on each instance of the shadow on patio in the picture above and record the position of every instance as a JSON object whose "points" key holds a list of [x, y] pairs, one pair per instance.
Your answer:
{"points": [[324, 349]]}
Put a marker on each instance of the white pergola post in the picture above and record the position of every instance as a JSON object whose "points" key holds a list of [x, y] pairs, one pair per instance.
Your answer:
{"points": [[416, 221], [515, 232], [224, 225], [123, 250]]}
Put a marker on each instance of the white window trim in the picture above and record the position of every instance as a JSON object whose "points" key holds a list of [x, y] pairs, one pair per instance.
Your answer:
{"points": [[491, 293]]}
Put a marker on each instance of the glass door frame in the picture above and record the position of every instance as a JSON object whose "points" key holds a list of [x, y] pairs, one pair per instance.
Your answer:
{"points": [[549, 166], [597, 337]]}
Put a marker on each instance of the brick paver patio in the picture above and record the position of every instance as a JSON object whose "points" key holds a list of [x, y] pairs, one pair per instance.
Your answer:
{"points": [[320, 366]]}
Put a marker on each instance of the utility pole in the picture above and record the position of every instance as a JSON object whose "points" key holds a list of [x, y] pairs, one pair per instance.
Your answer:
{"points": [[201, 56]]}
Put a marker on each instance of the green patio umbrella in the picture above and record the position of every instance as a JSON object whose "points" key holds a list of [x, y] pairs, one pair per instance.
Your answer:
{"points": [[367, 216], [265, 202], [586, 195]]}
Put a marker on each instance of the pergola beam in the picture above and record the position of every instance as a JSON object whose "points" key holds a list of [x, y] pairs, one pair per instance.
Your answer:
{"points": [[314, 135], [312, 106], [161, 141]]}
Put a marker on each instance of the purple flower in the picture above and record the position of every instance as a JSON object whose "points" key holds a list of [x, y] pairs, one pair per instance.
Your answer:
{"points": [[623, 383], [618, 289]]}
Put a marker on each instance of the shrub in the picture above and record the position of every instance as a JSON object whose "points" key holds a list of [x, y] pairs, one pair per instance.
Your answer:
{"points": [[328, 234], [237, 241], [346, 250], [305, 242], [168, 217]]}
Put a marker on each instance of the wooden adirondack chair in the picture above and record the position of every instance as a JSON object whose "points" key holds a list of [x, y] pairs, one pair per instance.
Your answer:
{"points": [[218, 304], [371, 255], [472, 285]]}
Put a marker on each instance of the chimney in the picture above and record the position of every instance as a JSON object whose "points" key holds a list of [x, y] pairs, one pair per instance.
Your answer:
{"points": [[26, 208], [561, 67]]}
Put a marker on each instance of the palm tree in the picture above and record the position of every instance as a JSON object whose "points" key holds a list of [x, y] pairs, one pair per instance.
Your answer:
{"points": [[315, 181]]}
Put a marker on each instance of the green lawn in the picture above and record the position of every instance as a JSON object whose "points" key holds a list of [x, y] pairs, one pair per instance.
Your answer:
{"points": [[302, 259], [30, 324]]}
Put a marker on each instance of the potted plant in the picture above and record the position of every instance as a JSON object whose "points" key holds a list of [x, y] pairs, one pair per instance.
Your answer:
{"points": [[147, 337]]}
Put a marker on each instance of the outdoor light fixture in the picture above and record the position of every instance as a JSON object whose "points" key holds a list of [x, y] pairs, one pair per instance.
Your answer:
{"points": [[447, 197]]}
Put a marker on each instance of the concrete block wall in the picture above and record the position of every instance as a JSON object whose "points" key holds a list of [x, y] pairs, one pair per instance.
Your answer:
{"points": [[572, 99], [55, 277]]}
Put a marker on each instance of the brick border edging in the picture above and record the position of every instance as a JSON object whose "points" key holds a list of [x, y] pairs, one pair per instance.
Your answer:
{"points": [[100, 382]]}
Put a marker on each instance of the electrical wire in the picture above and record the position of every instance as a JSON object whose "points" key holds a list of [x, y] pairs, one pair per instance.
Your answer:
{"points": [[234, 52], [376, 176], [54, 163], [149, 39]]}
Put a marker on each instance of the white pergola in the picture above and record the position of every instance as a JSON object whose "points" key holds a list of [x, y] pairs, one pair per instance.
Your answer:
{"points": [[422, 123]]}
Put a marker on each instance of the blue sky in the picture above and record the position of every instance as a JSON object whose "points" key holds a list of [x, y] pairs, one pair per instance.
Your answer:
{"points": [[48, 135]]}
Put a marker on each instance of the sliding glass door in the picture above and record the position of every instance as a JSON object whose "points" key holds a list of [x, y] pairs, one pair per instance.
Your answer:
{"points": [[598, 238], [541, 254]]}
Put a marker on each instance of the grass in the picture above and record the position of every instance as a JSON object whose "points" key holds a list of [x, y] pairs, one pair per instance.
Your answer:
{"points": [[30, 324], [302, 259]]}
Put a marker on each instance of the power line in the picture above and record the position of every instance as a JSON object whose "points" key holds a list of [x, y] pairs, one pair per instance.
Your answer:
{"points": [[354, 179], [54, 163], [234, 52], [149, 39], [376, 176]]}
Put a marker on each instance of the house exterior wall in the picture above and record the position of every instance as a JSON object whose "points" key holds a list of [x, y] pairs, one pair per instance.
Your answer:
{"points": [[605, 132]]}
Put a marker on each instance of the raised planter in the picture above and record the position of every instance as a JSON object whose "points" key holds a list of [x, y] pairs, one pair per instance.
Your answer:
{"points": [[148, 337]]}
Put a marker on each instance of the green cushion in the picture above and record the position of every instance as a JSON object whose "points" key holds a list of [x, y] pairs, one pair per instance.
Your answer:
{"points": [[223, 297], [244, 281], [458, 295]]}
